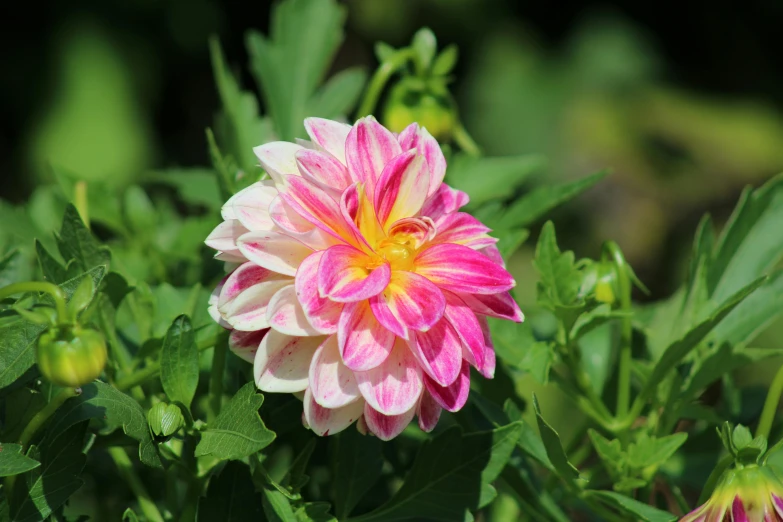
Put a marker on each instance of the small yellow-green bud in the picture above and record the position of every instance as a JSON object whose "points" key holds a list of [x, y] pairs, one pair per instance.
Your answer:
{"points": [[165, 420]]}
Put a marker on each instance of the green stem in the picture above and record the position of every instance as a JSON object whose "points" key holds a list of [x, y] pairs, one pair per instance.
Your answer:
{"points": [[382, 75], [216, 376], [42, 416], [55, 291], [80, 201], [125, 467], [770, 405], [152, 369], [714, 477], [465, 142], [626, 332]]}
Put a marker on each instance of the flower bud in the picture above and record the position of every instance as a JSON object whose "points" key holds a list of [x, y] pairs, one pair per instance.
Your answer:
{"points": [[165, 420], [71, 356], [411, 100]]}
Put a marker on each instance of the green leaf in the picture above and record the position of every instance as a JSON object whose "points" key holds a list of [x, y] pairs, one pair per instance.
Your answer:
{"points": [[509, 241], [448, 475], [231, 497], [179, 362], [677, 351], [290, 64], [314, 512], [634, 509], [82, 296], [358, 461], [384, 51], [9, 267], [754, 315], [485, 179], [560, 280], [651, 451], [129, 516], [339, 95], [554, 448], [445, 61], [424, 46], [13, 462], [611, 453], [18, 338], [49, 486], [277, 507], [139, 211], [196, 186], [114, 409], [75, 241], [533, 205], [238, 430]]}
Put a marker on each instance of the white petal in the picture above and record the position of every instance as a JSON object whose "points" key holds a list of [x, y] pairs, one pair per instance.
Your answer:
{"points": [[273, 250], [328, 135], [286, 315], [251, 206], [325, 421], [332, 384], [245, 344], [283, 362], [247, 312], [277, 158], [224, 237]]}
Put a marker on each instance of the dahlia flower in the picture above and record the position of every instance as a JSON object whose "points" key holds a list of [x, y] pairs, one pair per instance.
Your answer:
{"points": [[354, 278], [749, 494]]}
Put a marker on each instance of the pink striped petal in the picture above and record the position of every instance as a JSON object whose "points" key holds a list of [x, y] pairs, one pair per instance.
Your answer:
{"points": [[288, 219], [282, 362], [439, 352], [394, 387], [277, 252], [414, 231], [500, 305], [251, 205], [464, 229], [344, 276], [224, 237], [328, 136], [245, 344], [285, 314], [777, 502], [385, 316], [364, 342], [386, 427], [412, 299], [428, 411], [461, 269], [323, 170], [245, 276], [368, 148], [738, 513], [488, 370], [278, 158], [468, 328], [493, 253], [402, 187], [247, 312], [331, 382], [444, 201], [322, 313], [454, 396], [415, 137], [359, 214], [315, 205], [326, 421]]}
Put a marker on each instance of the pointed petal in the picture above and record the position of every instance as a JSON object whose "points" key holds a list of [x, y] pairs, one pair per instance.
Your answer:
{"points": [[412, 299], [323, 170], [331, 382], [282, 362], [454, 396], [314, 205], [245, 344], [500, 305], [278, 158], [385, 316], [429, 412], [247, 311], [343, 275], [439, 352], [359, 215], [224, 237], [413, 137], [277, 252], [326, 421], [212, 304], [286, 315], [493, 253], [488, 370], [394, 387], [245, 276], [321, 312], [463, 229], [328, 136], [368, 148], [364, 342], [251, 205], [444, 201], [468, 328], [402, 187], [285, 217], [461, 269], [738, 513], [386, 427]]}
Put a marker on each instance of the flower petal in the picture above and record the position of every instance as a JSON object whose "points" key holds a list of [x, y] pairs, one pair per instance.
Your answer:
{"points": [[439, 351], [454, 396], [322, 313], [488, 370], [224, 237], [443, 202], [245, 276], [278, 158], [327, 421], [287, 218], [251, 206], [315, 205], [277, 252], [343, 275], [461, 269], [394, 387], [282, 363], [386, 427], [245, 344], [402, 188], [331, 382], [323, 170], [413, 300], [500, 305], [428, 411], [358, 213], [415, 137], [738, 513], [468, 328], [413, 230], [493, 253], [368, 148], [464, 229], [286, 315], [328, 135], [364, 342], [212, 304], [247, 311]]}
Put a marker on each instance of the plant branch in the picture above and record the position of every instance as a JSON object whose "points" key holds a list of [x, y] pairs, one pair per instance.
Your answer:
{"points": [[42, 416], [125, 467], [55, 291], [382, 75]]}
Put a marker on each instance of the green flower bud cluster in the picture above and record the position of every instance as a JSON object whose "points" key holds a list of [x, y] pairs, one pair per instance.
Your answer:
{"points": [[164, 420]]}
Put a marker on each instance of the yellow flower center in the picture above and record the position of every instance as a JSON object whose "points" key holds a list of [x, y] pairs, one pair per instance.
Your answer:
{"points": [[400, 255]]}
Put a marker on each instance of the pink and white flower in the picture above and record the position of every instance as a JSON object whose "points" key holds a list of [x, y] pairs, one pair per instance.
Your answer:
{"points": [[355, 279]]}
